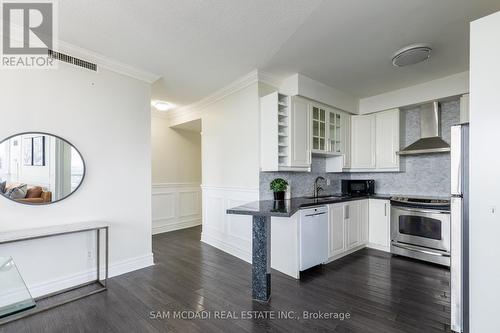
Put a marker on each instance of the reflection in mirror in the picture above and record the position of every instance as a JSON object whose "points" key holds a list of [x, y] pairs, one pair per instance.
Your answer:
{"points": [[39, 168]]}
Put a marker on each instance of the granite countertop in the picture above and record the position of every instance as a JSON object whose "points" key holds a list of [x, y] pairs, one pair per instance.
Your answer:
{"points": [[287, 208]]}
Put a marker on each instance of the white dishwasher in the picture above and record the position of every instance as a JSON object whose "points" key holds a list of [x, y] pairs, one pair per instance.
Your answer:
{"points": [[313, 236]]}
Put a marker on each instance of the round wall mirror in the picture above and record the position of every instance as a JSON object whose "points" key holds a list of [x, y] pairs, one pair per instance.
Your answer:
{"points": [[39, 168]]}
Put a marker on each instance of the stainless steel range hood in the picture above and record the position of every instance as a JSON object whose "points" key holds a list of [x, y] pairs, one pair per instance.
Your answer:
{"points": [[430, 140]]}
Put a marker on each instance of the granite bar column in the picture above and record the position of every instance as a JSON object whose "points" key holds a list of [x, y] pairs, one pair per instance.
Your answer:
{"points": [[261, 258]]}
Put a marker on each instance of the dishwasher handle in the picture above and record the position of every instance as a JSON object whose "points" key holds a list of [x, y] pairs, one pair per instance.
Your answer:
{"points": [[315, 214]]}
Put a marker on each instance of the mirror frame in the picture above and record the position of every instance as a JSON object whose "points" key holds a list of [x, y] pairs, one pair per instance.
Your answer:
{"points": [[60, 138]]}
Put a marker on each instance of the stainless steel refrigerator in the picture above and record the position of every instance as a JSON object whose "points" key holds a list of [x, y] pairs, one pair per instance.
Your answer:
{"points": [[460, 228]]}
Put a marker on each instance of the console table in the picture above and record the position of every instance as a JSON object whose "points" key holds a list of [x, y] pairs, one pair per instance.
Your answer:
{"points": [[58, 230]]}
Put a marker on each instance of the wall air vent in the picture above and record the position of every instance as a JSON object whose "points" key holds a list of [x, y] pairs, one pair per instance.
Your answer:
{"points": [[72, 60]]}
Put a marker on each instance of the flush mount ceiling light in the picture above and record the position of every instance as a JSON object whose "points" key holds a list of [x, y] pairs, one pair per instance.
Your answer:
{"points": [[161, 105], [412, 54]]}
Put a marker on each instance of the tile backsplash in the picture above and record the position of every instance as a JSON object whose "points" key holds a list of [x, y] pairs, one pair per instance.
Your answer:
{"points": [[427, 174], [301, 183]]}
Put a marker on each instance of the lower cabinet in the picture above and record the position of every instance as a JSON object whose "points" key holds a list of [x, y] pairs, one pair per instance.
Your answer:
{"points": [[348, 226], [352, 223], [336, 230], [380, 222]]}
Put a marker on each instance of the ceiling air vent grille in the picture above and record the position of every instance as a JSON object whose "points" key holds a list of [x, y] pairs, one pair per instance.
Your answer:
{"points": [[72, 60]]}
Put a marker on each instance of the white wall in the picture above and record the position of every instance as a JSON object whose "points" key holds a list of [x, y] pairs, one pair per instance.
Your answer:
{"points": [[176, 174], [484, 177], [107, 117], [452, 85], [230, 140], [230, 168], [176, 154]]}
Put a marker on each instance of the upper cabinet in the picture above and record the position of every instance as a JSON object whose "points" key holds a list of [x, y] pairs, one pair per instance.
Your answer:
{"points": [[330, 136], [375, 142], [345, 121], [284, 133], [292, 128], [363, 142], [319, 126], [329, 130], [387, 140], [300, 147], [464, 109]]}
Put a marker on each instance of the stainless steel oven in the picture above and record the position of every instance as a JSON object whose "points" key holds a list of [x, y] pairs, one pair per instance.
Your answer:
{"points": [[420, 228]]}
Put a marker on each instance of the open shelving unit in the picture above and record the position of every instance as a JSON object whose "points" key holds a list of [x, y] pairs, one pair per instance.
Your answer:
{"points": [[284, 133], [283, 130]]}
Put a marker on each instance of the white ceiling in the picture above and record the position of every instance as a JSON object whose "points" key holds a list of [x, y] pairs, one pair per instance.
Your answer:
{"points": [[199, 46], [349, 44]]}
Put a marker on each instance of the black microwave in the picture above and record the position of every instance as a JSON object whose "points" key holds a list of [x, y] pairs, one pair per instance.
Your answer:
{"points": [[358, 186]]}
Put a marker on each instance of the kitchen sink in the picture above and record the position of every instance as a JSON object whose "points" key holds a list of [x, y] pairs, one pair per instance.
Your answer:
{"points": [[327, 196]]}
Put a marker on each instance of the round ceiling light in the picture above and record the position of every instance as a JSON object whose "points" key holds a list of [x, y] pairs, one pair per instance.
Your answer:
{"points": [[412, 54], [161, 105]]}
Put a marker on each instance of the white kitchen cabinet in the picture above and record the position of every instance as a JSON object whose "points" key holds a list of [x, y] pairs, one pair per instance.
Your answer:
{"points": [[329, 130], [348, 227], [352, 225], [464, 109], [379, 224], [363, 142], [364, 220], [300, 151], [284, 133], [336, 230], [387, 140], [319, 128], [375, 142], [346, 137]]}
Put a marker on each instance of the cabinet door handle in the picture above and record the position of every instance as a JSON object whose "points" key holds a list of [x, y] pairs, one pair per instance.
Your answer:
{"points": [[346, 212], [385, 209]]}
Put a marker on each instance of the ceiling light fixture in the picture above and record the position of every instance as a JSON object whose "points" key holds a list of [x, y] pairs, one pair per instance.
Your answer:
{"points": [[161, 105], [412, 54]]}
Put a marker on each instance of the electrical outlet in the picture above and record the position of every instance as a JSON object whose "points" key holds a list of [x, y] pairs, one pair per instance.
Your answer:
{"points": [[328, 182], [90, 255], [493, 210]]}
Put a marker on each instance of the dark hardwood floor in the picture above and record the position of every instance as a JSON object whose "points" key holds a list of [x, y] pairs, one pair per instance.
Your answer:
{"points": [[380, 293]]}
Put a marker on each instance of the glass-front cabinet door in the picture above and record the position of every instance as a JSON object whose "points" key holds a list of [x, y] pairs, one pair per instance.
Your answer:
{"points": [[319, 141], [334, 133]]}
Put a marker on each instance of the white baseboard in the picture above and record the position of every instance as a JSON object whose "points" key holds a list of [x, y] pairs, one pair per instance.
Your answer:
{"points": [[226, 247], [379, 247], [176, 226], [115, 269]]}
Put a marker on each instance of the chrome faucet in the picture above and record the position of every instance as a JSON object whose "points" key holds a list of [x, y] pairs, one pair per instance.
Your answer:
{"points": [[316, 187]]}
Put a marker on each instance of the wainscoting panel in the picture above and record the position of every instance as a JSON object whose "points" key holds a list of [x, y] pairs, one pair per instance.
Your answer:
{"points": [[230, 233], [175, 206]]}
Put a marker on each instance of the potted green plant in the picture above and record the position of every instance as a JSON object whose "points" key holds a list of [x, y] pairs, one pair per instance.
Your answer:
{"points": [[279, 186]]}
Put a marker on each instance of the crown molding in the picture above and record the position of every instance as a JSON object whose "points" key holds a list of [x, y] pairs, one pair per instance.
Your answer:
{"points": [[269, 79], [99, 59], [106, 62], [241, 83]]}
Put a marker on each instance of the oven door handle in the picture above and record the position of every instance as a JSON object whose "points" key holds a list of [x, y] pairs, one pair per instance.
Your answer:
{"points": [[411, 248], [419, 210]]}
